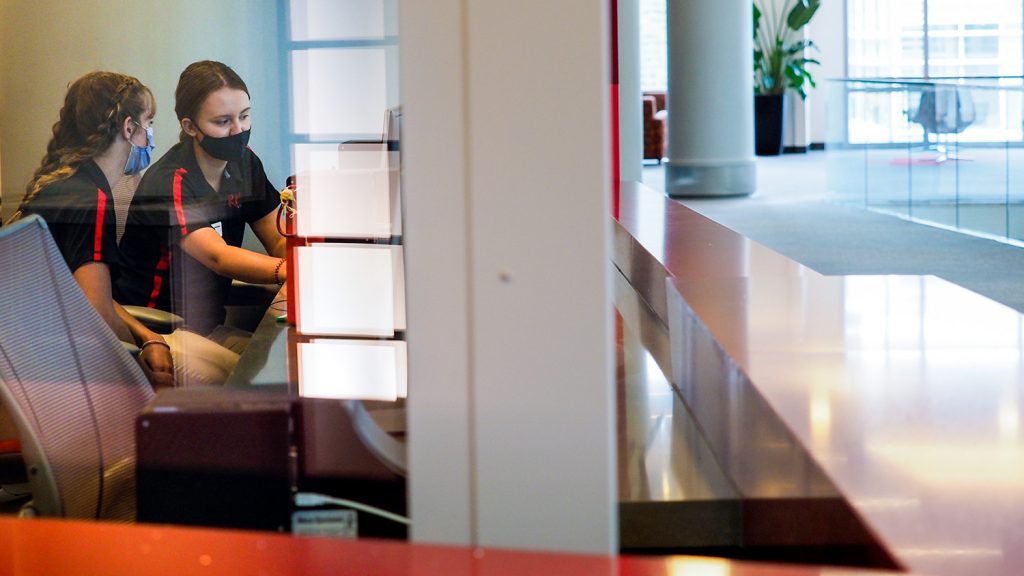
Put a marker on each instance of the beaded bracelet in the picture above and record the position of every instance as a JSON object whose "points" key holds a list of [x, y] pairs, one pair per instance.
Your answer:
{"points": [[277, 272]]}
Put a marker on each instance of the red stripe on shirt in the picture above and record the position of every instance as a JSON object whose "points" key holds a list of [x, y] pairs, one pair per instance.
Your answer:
{"points": [[101, 207], [178, 208], [158, 276]]}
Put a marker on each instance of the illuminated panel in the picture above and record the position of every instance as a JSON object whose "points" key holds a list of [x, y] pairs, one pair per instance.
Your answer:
{"points": [[353, 369], [346, 290], [339, 91], [343, 193]]}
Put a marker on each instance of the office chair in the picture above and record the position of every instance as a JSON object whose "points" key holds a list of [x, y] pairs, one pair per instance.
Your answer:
{"points": [[71, 388], [943, 110]]}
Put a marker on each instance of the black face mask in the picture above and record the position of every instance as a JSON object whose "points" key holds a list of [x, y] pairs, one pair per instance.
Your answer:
{"points": [[228, 148]]}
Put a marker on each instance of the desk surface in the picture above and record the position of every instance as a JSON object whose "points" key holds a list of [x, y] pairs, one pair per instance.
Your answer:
{"points": [[904, 394], [907, 391], [265, 359], [44, 547]]}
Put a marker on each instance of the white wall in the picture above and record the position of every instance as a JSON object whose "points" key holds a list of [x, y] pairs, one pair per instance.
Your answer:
{"points": [[45, 45]]}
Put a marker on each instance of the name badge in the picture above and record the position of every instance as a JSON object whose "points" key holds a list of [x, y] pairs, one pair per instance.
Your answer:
{"points": [[219, 228]]}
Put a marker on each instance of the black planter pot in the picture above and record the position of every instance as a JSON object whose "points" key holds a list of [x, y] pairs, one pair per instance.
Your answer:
{"points": [[768, 112]]}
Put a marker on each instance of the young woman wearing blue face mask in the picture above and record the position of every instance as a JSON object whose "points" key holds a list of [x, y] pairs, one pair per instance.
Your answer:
{"points": [[104, 133], [184, 233]]}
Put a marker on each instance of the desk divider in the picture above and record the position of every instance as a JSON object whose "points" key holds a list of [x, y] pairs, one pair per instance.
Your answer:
{"points": [[346, 266]]}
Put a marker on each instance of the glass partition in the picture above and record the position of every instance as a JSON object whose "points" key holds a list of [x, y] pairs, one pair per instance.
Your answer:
{"points": [[943, 152]]}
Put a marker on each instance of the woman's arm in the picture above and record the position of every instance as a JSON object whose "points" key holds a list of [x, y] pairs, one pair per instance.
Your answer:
{"points": [[94, 280], [266, 230], [206, 246], [154, 352]]}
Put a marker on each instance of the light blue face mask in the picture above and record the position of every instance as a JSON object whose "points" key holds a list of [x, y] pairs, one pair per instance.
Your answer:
{"points": [[140, 156]]}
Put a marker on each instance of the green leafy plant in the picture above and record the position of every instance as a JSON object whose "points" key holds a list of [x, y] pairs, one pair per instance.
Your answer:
{"points": [[779, 54]]}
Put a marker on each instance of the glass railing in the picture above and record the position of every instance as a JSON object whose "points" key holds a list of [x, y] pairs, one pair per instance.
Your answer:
{"points": [[946, 152]]}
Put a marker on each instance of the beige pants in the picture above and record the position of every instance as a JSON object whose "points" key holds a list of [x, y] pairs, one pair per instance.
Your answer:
{"points": [[234, 339], [200, 361]]}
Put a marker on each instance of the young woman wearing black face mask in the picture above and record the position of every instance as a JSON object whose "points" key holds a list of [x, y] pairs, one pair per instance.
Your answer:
{"points": [[182, 242]]}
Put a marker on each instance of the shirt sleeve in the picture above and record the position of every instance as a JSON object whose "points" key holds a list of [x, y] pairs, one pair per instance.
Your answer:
{"points": [[266, 197], [81, 222]]}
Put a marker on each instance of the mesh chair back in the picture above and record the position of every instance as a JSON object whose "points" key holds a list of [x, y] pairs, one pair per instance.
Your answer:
{"points": [[945, 110], [71, 387]]}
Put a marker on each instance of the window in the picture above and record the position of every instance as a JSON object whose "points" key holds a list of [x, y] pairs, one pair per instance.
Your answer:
{"points": [[935, 38], [653, 46]]}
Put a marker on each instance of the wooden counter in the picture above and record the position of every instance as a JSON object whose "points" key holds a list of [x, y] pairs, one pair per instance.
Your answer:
{"points": [[883, 407]]}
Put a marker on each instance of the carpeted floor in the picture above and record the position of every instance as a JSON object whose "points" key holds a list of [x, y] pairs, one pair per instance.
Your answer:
{"points": [[793, 214]]}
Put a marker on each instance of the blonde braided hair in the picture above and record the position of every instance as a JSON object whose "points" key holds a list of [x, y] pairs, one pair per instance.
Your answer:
{"points": [[94, 110]]}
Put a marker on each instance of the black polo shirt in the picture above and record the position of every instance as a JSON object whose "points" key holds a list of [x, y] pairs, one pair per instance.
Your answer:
{"points": [[79, 212], [172, 201]]}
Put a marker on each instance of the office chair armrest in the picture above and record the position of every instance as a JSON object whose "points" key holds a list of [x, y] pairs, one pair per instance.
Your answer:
{"points": [[131, 348], [12, 470], [156, 320], [248, 294]]}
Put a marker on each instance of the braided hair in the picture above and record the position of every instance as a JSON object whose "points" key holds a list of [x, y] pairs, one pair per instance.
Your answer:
{"points": [[94, 110]]}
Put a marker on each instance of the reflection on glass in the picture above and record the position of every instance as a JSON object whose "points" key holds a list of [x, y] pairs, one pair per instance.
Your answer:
{"points": [[348, 290], [339, 91], [966, 467], [353, 369], [821, 416], [915, 312], [1009, 418], [694, 566], [336, 19], [343, 191]]}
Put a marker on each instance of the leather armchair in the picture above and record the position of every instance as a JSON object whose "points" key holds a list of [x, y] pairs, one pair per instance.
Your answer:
{"points": [[655, 126]]}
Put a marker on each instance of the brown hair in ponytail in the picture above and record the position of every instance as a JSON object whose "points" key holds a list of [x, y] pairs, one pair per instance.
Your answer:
{"points": [[199, 80], [94, 110]]}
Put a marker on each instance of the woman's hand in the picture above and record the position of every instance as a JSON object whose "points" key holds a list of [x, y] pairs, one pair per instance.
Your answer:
{"points": [[155, 359]]}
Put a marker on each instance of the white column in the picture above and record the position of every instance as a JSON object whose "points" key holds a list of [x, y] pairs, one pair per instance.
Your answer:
{"points": [[507, 235], [710, 98], [631, 121], [437, 248]]}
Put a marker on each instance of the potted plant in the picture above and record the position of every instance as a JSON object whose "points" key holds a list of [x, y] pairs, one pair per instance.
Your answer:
{"points": [[779, 63]]}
